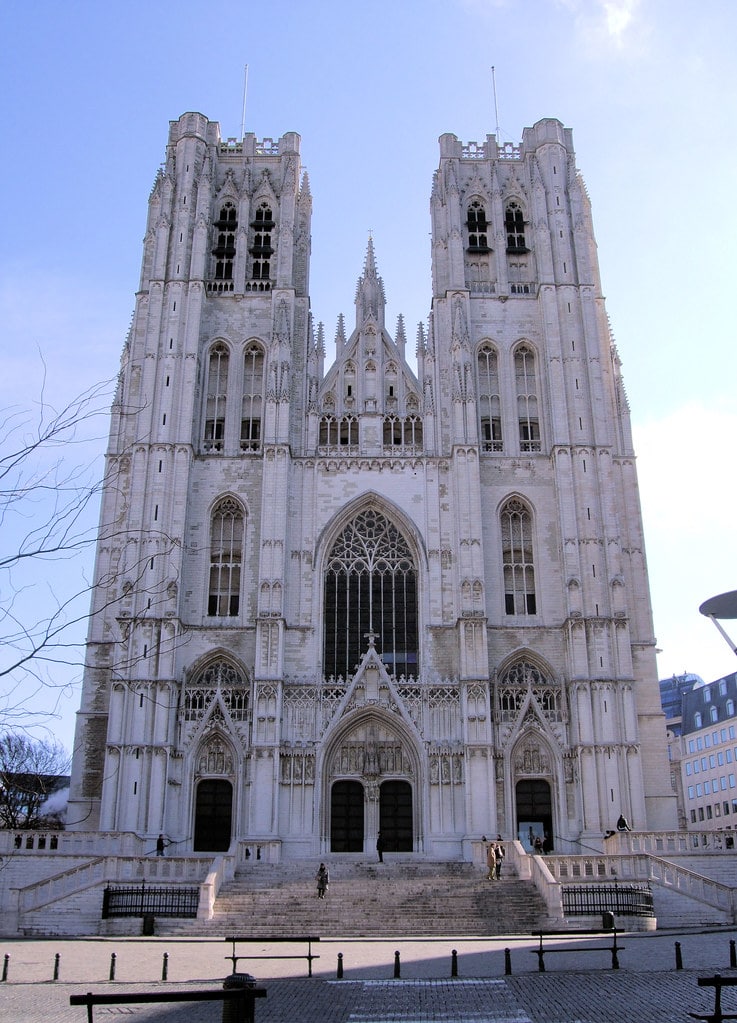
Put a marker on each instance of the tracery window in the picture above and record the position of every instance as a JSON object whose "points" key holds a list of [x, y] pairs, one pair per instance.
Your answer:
{"points": [[405, 432], [477, 228], [514, 227], [252, 402], [518, 680], [370, 590], [217, 387], [527, 410], [262, 225], [517, 560], [338, 432], [224, 250], [489, 400], [226, 557]]}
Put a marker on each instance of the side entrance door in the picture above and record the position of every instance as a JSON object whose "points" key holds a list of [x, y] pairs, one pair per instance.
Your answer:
{"points": [[213, 815]]}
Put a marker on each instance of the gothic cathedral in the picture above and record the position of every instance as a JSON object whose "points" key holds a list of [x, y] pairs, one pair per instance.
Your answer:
{"points": [[332, 603]]}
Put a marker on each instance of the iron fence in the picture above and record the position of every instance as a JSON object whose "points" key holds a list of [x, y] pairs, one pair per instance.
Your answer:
{"points": [[621, 899], [145, 899]]}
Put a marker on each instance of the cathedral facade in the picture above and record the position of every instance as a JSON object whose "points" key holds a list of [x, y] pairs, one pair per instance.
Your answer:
{"points": [[335, 602]]}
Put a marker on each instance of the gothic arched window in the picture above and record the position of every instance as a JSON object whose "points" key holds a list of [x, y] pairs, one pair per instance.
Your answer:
{"points": [[216, 390], [477, 228], [370, 591], [527, 411], [224, 250], [226, 557], [253, 396], [514, 227], [261, 249], [517, 560], [489, 401]]}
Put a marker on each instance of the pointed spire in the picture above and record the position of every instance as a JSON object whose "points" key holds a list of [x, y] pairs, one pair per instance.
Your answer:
{"points": [[370, 299], [340, 336], [401, 337], [421, 347], [304, 192], [321, 339]]}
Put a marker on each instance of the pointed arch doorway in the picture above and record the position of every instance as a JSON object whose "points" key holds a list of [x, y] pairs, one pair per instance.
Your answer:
{"points": [[346, 816], [213, 815], [395, 816], [534, 811]]}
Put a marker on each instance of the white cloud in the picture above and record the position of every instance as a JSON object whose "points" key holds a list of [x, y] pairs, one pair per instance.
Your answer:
{"points": [[603, 25]]}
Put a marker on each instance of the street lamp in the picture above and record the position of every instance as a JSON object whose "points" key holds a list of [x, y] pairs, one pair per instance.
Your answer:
{"points": [[724, 605]]}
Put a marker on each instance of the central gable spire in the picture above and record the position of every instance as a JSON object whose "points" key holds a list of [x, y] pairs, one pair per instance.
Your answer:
{"points": [[370, 299]]}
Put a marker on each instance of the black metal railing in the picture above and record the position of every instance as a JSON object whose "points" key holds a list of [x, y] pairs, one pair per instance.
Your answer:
{"points": [[621, 899], [144, 899]]}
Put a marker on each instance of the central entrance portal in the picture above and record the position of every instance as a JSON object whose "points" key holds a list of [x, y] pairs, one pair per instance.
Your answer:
{"points": [[346, 817], [395, 816]]}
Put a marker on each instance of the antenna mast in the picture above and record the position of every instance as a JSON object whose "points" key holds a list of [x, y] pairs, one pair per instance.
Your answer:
{"points": [[245, 93], [496, 108]]}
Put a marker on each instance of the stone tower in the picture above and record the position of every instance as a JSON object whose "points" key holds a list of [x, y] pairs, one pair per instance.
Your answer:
{"points": [[335, 602]]}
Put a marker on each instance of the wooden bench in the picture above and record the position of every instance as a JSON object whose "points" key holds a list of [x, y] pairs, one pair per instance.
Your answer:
{"points": [[244, 995], [717, 982], [540, 951], [300, 939]]}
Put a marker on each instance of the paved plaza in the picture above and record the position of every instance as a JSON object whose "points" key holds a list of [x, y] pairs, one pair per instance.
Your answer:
{"points": [[576, 987]]}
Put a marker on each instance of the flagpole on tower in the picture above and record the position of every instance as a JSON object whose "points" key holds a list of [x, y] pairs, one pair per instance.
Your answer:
{"points": [[496, 108], [245, 94]]}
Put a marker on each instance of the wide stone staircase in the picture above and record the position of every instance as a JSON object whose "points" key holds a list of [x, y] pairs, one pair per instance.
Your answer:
{"points": [[399, 898]]}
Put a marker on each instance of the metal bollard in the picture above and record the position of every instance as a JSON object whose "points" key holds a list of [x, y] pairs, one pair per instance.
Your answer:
{"points": [[165, 967], [113, 957], [57, 959], [397, 969], [232, 1011], [507, 962], [732, 955], [454, 963], [340, 966], [6, 963], [679, 958]]}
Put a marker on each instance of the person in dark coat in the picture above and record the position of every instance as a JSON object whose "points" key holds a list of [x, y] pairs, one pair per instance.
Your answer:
{"points": [[380, 847], [323, 880], [161, 844]]}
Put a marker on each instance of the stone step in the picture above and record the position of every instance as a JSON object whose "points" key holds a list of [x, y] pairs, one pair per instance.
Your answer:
{"points": [[370, 900]]}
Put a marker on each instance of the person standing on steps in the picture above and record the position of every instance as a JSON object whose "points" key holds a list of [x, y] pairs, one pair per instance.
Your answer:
{"points": [[500, 854], [491, 861], [161, 844], [323, 880], [380, 847]]}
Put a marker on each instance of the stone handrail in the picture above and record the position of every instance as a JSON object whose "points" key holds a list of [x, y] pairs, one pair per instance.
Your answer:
{"points": [[661, 843], [104, 869], [688, 882]]}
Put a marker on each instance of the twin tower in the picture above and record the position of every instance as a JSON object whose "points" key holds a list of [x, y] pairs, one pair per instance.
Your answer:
{"points": [[407, 597]]}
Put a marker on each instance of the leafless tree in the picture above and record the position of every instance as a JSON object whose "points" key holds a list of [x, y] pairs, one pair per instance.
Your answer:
{"points": [[50, 484], [32, 773]]}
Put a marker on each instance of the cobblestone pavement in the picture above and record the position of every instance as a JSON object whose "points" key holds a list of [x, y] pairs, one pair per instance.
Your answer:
{"points": [[577, 987]]}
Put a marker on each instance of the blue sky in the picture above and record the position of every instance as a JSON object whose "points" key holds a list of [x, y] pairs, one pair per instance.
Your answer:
{"points": [[649, 88]]}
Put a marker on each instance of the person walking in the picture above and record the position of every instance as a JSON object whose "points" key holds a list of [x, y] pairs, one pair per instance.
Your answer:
{"points": [[380, 847], [161, 844], [323, 880]]}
